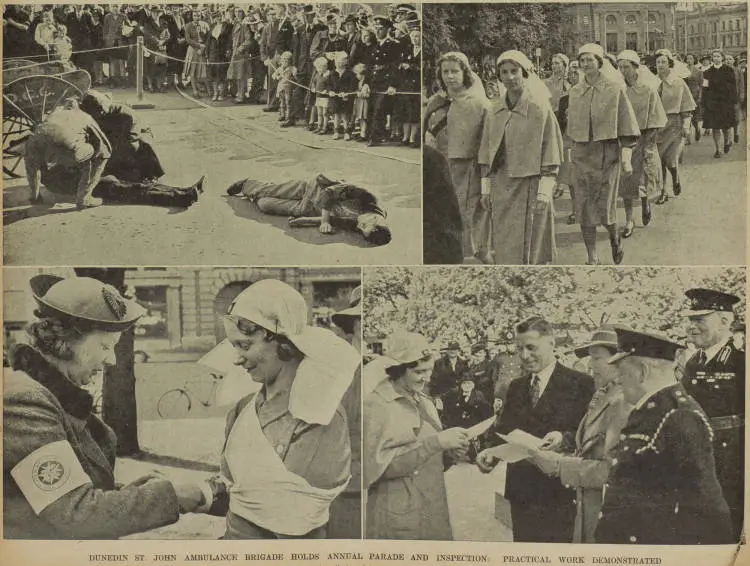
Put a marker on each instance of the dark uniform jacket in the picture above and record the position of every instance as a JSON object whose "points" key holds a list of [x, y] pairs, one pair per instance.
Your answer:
{"points": [[42, 411], [458, 410], [719, 388], [662, 488], [301, 43], [385, 59], [444, 377]]}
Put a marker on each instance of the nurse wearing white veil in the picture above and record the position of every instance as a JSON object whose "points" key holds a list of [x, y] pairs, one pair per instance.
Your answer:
{"points": [[287, 451]]}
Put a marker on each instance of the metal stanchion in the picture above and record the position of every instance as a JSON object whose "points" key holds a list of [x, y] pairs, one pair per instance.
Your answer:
{"points": [[140, 105]]}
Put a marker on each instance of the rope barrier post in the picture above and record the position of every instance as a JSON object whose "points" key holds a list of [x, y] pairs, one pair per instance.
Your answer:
{"points": [[140, 105]]}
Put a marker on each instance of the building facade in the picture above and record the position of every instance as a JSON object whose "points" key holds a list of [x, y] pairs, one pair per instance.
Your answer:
{"points": [[702, 27]]}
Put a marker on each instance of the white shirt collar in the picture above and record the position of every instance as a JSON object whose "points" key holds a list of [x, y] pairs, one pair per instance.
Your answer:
{"points": [[544, 376], [647, 396], [713, 351]]}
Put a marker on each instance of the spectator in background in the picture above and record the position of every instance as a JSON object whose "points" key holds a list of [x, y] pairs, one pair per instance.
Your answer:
{"points": [[695, 85], [447, 371], [219, 50]]}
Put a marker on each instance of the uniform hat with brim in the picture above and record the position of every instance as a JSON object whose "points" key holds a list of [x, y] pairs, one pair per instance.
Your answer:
{"points": [[452, 346], [593, 48], [308, 9], [353, 311], [85, 302], [405, 348], [383, 21], [706, 301], [406, 8], [605, 336], [631, 56], [643, 344]]}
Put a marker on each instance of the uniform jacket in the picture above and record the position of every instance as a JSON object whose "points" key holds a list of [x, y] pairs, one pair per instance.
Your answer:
{"points": [[385, 59], [560, 408], [600, 112], [465, 412], [40, 407], [530, 134], [410, 80], [588, 467], [444, 377], [663, 487], [647, 106], [719, 388], [675, 96]]}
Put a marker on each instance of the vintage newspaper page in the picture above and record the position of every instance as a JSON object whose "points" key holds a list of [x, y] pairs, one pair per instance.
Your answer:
{"points": [[374, 283]]}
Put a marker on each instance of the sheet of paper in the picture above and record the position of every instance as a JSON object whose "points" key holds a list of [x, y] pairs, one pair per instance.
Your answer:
{"points": [[509, 453], [237, 382], [522, 438], [480, 428]]}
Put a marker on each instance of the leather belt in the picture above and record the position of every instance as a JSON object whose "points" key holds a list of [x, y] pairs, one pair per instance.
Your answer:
{"points": [[728, 422]]}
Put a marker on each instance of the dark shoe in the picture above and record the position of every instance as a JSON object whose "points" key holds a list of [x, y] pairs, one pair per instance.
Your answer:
{"points": [[717, 155], [645, 211], [697, 134], [727, 147], [736, 138], [677, 189], [312, 128], [559, 191], [373, 143], [199, 185], [267, 109], [618, 253], [288, 124], [572, 219], [627, 231], [235, 188], [663, 197], [38, 199], [415, 144]]}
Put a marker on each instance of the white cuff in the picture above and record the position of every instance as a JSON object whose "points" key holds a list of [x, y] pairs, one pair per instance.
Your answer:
{"points": [[208, 497], [486, 186]]}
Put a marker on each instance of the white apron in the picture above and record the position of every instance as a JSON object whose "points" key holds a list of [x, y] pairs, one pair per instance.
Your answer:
{"points": [[264, 492]]}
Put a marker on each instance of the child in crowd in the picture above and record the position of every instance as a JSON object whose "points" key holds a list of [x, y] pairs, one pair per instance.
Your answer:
{"points": [[361, 104], [343, 90], [321, 86], [284, 90]]}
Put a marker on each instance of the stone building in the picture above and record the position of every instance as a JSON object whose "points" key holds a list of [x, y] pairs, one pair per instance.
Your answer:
{"points": [[702, 27]]}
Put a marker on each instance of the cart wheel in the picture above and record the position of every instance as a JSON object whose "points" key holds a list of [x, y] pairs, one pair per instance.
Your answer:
{"points": [[174, 404], [16, 130], [35, 96]]}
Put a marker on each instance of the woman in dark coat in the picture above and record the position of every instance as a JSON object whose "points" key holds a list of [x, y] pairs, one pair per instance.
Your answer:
{"points": [[719, 98], [18, 40], [408, 107], [219, 50]]}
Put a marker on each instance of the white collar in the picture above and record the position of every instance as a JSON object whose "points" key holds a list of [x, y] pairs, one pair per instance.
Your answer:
{"points": [[544, 376], [712, 351], [647, 396]]}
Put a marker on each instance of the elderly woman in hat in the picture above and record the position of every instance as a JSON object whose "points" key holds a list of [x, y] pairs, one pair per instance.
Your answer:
{"points": [[558, 84], [403, 448], [583, 461], [520, 155], [287, 451], [454, 118], [58, 456], [604, 129], [679, 105], [646, 179]]}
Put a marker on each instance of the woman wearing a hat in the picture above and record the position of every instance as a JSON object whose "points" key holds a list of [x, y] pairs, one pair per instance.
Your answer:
{"points": [[454, 117], [679, 105], [520, 155], [244, 47], [719, 98], [604, 129], [558, 84], [645, 180], [583, 461], [403, 448], [407, 109], [58, 456], [287, 452]]}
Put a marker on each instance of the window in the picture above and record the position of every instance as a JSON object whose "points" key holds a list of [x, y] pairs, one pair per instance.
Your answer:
{"points": [[692, 43], [610, 20], [692, 29], [631, 40], [154, 323], [631, 19], [651, 19], [713, 27], [586, 21], [723, 26], [612, 42], [738, 39]]}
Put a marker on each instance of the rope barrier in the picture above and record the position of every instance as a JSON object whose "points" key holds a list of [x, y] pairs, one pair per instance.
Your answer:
{"points": [[72, 52], [160, 54]]}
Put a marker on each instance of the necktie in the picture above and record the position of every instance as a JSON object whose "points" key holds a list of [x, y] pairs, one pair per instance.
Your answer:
{"points": [[534, 391], [702, 358]]}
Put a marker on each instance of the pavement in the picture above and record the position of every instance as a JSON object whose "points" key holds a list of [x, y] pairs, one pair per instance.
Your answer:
{"points": [[705, 225], [225, 142]]}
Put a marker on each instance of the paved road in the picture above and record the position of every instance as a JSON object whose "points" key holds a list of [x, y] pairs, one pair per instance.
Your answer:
{"points": [[705, 225], [226, 143]]}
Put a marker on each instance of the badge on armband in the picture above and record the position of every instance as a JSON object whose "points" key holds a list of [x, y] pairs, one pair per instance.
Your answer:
{"points": [[49, 473]]}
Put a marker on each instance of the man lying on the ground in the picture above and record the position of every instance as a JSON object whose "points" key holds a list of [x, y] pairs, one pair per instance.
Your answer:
{"points": [[319, 202], [68, 154]]}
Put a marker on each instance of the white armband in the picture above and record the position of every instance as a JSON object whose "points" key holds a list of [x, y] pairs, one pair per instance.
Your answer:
{"points": [[486, 186], [547, 187], [626, 153], [49, 473]]}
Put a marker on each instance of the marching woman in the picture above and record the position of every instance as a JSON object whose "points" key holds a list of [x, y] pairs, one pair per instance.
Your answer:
{"points": [[646, 179], [520, 154], [558, 84], [679, 105], [287, 452], [58, 456], [604, 129], [454, 118], [403, 447], [719, 98]]}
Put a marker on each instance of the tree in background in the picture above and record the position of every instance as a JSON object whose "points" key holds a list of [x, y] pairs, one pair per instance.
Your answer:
{"points": [[481, 30], [470, 304], [119, 408]]}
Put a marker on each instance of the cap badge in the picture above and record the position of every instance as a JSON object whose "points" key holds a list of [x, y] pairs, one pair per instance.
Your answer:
{"points": [[114, 302]]}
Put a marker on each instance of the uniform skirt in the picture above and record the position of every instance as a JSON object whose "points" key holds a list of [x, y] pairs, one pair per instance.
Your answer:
{"points": [[467, 183], [670, 141], [520, 235], [597, 181], [646, 169]]}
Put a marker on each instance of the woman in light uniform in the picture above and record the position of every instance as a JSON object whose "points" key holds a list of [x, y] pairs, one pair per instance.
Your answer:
{"points": [[287, 450], [679, 105], [645, 180], [558, 84], [604, 128]]}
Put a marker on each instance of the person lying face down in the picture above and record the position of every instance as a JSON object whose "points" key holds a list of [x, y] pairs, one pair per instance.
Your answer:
{"points": [[319, 202]]}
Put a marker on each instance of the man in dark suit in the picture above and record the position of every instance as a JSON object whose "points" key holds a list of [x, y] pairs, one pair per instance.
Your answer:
{"points": [[447, 371], [275, 40], [385, 57], [547, 402], [662, 487], [301, 44], [715, 378]]}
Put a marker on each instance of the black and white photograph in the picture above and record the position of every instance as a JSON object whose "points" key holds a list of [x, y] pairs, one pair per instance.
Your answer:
{"points": [[571, 134], [176, 134], [554, 405], [181, 403]]}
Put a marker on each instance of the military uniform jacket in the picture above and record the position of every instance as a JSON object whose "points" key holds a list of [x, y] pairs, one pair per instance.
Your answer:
{"points": [[719, 388], [58, 463], [385, 59], [662, 488]]}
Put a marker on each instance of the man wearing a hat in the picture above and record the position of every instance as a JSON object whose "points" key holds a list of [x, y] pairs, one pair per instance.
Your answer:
{"points": [[385, 60], [275, 39], [303, 61], [346, 509], [58, 455], [447, 371], [715, 378], [662, 487]]}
